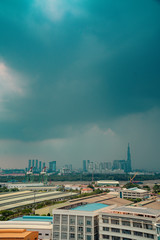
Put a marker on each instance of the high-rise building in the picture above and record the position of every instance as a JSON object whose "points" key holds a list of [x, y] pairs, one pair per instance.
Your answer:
{"points": [[84, 166], [36, 164], [87, 165], [119, 164], [44, 164], [40, 166], [33, 163], [70, 167], [29, 164], [129, 167], [52, 166]]}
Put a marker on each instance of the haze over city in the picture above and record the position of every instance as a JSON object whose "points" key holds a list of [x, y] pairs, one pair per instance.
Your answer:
{"points": [[79, 80]]}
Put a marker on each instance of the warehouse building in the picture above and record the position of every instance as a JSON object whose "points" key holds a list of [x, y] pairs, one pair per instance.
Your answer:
{"points": [[107, 183]]}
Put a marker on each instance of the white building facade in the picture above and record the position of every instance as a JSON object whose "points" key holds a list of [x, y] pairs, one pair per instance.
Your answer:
{"points": [[128, 223]]}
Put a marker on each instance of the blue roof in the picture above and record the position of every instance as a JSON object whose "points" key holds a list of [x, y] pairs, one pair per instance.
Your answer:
{"points": [[90, 207], [134, 188], [34, 218]]}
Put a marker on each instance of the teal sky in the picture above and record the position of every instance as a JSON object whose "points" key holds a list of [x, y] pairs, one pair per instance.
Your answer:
{"points": [[79, 79]]}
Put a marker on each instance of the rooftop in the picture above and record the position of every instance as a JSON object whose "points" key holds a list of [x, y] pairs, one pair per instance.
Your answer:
{"points": [[34, 218], [16, 234], [90, 207], [139, 210]]}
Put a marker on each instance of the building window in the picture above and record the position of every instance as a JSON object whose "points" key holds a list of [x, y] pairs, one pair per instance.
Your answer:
{"points": [[138, 234], [64, 236], [88, 221], [126, 223], [80, 229], [56, 218], [64, 219], [72, 220], [114, 221], [116, 238], [89, 237], [80, 236], [126, 231], [64, 228], [72, 236], [115, 229], [147, 235], [46, 234], [127, 239], [105, 228], [137, 224], [72, 229], [40, 234], [105, 236], [55, 234], [56, 227], [148, 226], [80, 221], [88, 230], [105, 220]]}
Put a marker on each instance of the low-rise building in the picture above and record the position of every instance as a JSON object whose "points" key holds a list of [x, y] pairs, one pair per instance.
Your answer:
{"points": [[107, 183], [133, 193], [128, 223], [86, 190], [42, 224], [20, 234]]}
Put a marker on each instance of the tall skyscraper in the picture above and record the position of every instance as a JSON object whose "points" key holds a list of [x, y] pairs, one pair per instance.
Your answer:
{"points": [[87, 165], [44, 164], [84, 166], [33, 163], [29, 164], [36, 164], [52, 166], [129, 166], [40, 166]]}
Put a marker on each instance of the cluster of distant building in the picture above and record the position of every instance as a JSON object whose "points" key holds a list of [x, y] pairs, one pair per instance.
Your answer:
{"points": [[118, 166], [38, 166]]}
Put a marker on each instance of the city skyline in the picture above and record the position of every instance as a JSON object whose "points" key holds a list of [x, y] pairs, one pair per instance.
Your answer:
{"points": [[79, 80]]}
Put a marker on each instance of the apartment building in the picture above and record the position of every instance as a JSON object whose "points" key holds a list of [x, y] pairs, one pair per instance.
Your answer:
{"points": [[77, 223], [128, 223], [133, 193]]}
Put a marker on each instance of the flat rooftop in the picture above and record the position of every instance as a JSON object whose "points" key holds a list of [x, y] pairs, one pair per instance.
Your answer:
{"points": [[90, 207], [137, 210], [34, 218]]}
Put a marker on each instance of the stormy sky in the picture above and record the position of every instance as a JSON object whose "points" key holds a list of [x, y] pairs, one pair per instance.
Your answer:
{"points": [[79, 79]]}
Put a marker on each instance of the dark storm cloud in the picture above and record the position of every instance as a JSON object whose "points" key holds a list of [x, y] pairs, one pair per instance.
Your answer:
{"points": [[89, 63]]}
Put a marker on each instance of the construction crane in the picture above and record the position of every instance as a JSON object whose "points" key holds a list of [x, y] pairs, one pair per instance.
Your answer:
{"points": [[131, 179], [43, 175], [30, 175]]}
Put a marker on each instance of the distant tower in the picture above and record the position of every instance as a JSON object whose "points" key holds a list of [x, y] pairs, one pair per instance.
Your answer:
{"points": [[29, 164], [84, 166], [36, 165], [40, 166], [33, 163], [129, 167], [44, 165]]}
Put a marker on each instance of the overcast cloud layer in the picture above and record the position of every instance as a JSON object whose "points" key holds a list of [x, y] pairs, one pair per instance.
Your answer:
{"points": [[79, 79]]}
